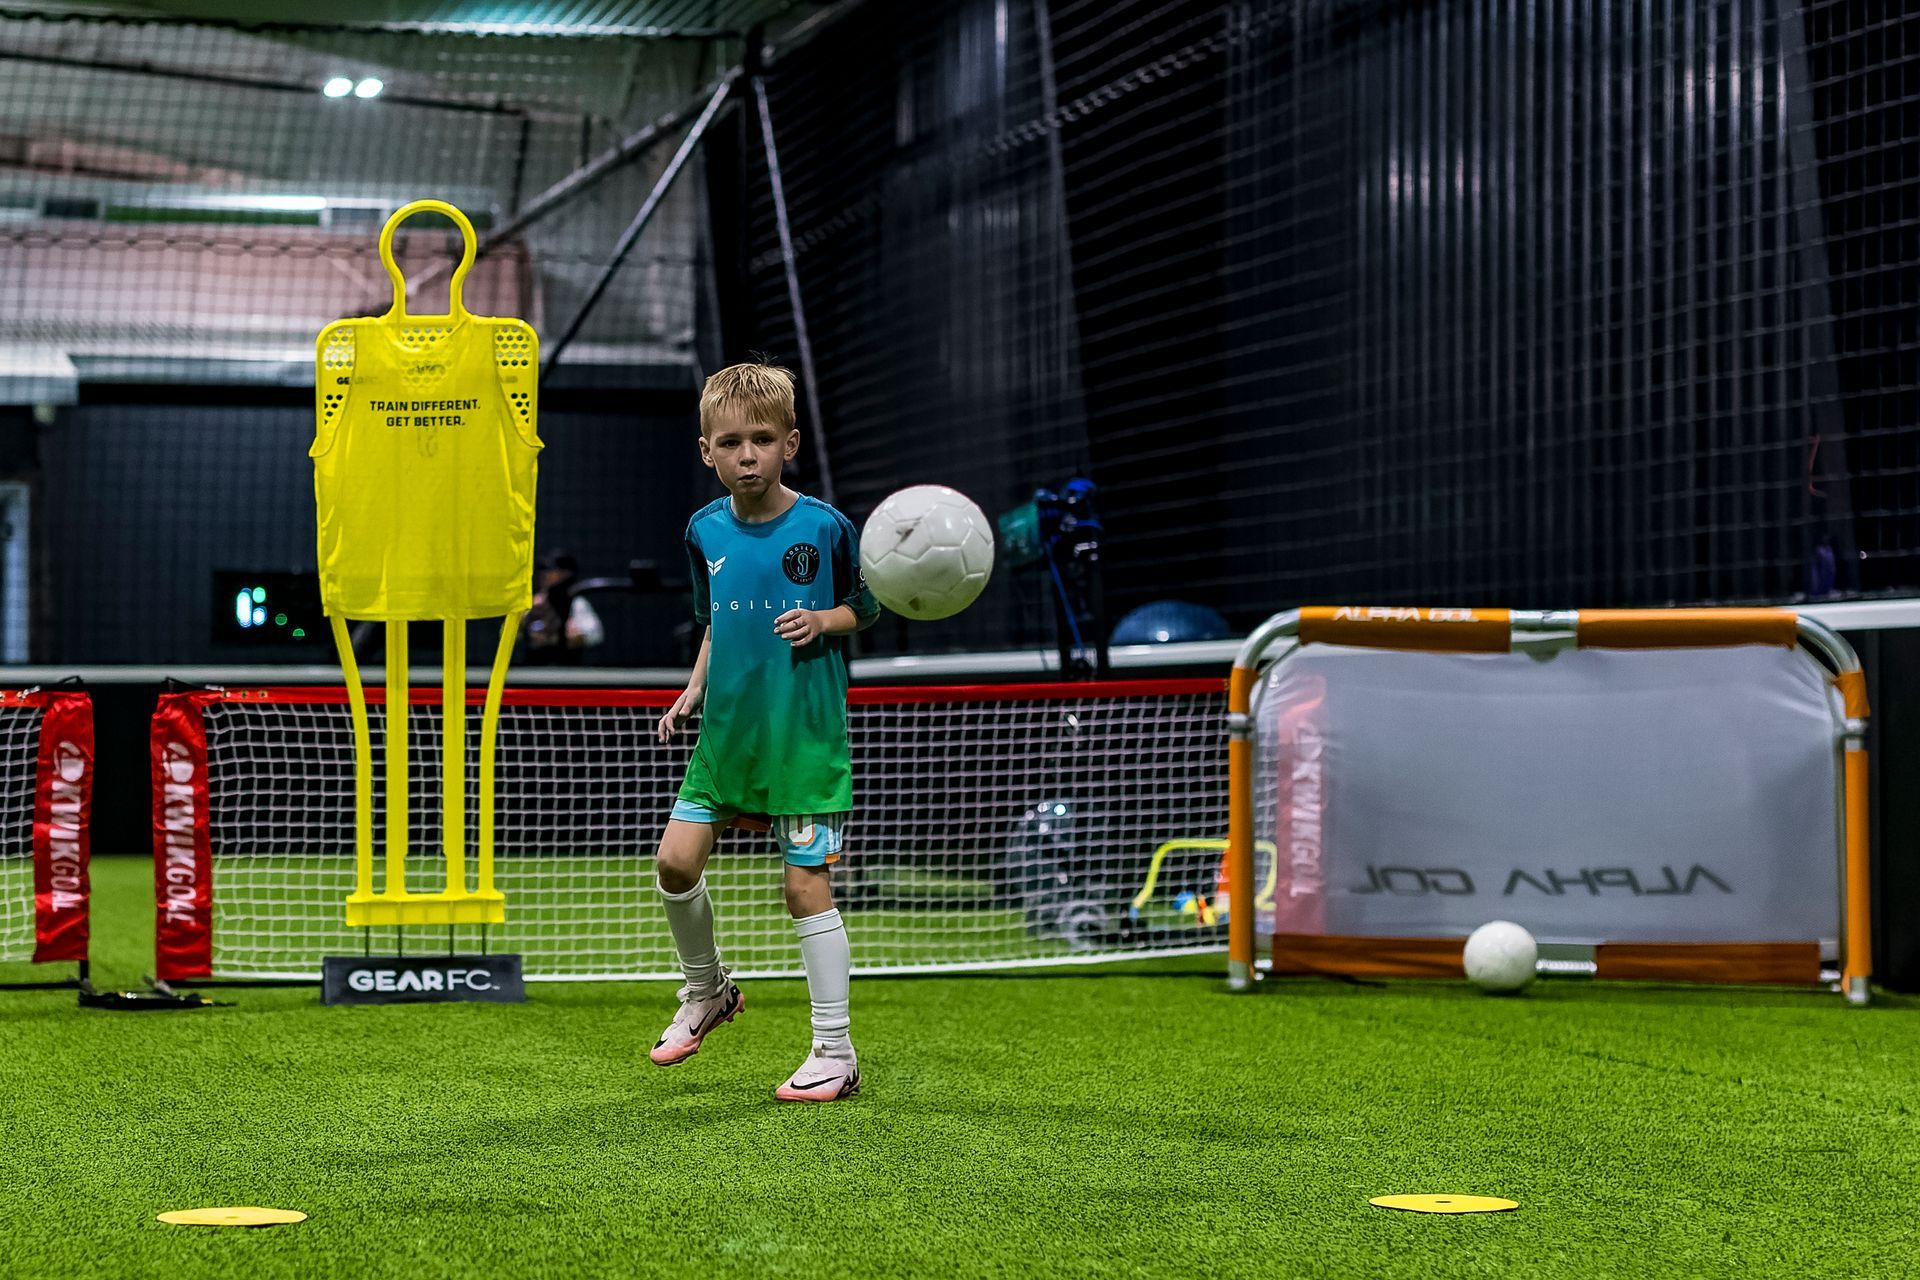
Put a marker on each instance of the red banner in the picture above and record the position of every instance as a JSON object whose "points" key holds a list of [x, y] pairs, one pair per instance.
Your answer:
{"points": [[62, 807], [1300, 899], [182, 849]]}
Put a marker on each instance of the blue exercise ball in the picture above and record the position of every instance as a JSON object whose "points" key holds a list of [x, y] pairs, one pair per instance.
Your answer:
{"points": [[1170, 622]]}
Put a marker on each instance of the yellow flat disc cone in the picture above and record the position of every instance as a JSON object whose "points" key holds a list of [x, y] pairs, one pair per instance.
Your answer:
{"points": [[1445, 1204], [233, 1216]]}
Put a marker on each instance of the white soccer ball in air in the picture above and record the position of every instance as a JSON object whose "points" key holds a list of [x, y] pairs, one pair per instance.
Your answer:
{"points": [[1501, 956], [927, 552]]}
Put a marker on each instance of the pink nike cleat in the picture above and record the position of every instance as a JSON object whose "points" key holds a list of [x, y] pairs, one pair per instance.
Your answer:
{"points": [[695, 1021], [820, 1079]]}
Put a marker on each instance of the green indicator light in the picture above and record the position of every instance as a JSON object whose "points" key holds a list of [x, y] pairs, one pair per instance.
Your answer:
{"points": [[279, 619], [299, 633], [259, 595]]}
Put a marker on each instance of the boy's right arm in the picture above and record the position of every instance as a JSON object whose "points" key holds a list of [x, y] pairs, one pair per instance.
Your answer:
{"points": [[699, 580], [696, 693]]}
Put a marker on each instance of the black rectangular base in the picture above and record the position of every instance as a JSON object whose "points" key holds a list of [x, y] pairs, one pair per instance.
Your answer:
{"points": [[421, 979]]}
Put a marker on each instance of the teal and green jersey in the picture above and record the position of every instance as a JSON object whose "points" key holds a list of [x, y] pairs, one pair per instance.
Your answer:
{"points": [[773, 733]]}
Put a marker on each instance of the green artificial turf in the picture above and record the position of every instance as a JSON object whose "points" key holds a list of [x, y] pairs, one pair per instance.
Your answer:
{"points": [[1096, 1124]]}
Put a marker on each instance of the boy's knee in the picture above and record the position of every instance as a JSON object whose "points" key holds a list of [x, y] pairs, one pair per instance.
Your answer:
{"points": [[809, 891], [677, 874]]}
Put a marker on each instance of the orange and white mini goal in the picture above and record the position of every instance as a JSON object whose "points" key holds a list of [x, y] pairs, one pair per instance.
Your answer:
{"points": [[1675, 794]]}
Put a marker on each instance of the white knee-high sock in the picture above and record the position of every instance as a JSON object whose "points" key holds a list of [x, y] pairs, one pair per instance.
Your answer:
{"points": [[829, 962], [690, 916]]}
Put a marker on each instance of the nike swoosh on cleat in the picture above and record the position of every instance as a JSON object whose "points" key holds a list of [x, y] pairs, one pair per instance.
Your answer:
{"points": [[718, 1015]]}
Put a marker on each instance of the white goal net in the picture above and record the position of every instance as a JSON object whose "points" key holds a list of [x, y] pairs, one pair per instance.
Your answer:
{"points": [[46, 778], [19, 750], [993, 826]]}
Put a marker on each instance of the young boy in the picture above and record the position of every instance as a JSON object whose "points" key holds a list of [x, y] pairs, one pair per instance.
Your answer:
{"points": [[776, 582]]}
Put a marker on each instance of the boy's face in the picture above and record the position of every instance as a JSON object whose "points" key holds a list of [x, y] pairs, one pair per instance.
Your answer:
{"points": [[748, 456]]}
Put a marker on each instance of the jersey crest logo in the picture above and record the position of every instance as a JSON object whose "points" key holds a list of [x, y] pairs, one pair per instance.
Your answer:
{"points": [[802, 563], [714, 566]]}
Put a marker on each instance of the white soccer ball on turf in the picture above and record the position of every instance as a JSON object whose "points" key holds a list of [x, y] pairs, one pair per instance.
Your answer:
{"points": [[1501, 956], [927, 552]]}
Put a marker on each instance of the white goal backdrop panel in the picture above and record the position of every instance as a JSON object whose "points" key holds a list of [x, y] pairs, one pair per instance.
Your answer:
{"points": [[1624, 796], [993, 826]]}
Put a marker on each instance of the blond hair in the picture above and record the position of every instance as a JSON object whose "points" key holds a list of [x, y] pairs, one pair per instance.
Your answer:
{"points": [[756, 393]]}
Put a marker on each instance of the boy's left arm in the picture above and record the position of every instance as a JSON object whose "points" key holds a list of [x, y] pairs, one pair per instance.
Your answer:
{"points": [[804, 626], [857, 609]]}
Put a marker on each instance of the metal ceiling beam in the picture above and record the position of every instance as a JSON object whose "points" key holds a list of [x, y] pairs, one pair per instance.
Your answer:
{"points": [[283, 26], [808, 30], [305, 88], [721, 91], [621, 153], [626, 150]]}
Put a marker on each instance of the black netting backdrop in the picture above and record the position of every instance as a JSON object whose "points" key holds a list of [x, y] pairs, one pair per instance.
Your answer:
{"points": [[1554, 304], [1548, 304]]}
